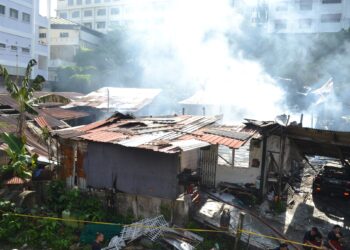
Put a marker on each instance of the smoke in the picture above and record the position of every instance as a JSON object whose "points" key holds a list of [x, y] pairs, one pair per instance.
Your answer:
{"points": [[193, 50], [208, 54]]}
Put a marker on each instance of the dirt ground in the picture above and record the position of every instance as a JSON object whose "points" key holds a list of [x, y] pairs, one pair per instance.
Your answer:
{"points": [[307, 211]]}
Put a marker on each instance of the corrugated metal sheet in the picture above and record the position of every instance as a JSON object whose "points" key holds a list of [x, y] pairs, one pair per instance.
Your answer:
{"points": [[159, 133], [140, 140], [7, 100], [121, 99], [42, 122], [191, 144], [64, 114], [104, 136]]}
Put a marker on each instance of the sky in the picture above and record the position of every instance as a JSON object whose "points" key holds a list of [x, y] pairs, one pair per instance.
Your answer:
{"points": [[43, 7]]}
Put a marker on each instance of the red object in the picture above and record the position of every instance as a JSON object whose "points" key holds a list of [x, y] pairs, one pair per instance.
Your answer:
{"points": [[346, 194], [336, 244]]}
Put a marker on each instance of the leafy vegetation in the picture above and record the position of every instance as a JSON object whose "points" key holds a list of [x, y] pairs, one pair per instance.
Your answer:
{"points": [[44, 233], [21, 163], [23, 94]]}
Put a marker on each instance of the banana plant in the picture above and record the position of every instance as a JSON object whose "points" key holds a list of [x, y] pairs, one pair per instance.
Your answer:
{"points": [[21, 162], [23, 93]]}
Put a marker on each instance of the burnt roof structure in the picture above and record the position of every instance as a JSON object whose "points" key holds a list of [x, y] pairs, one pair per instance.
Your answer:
{"points": [[165, 134]]}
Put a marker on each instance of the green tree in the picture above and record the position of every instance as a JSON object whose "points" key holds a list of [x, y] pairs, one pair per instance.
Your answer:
{"points": [[21, 163], [23, 94]]}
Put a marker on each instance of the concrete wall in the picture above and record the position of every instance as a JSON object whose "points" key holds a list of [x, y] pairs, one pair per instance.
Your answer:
{"points": [[236, 174], [141, 206]]}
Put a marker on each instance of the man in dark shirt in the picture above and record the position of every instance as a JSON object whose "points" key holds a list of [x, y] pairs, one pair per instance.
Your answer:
{"points": [[334, 238], [312, 238], [97, 244]]}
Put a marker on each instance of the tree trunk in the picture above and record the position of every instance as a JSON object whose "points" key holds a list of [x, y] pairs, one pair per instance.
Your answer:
{"points": [[20, 124]]}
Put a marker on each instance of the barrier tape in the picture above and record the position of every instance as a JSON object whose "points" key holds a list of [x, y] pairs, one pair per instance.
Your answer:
{"points": [[155, 227], [279, 239]]}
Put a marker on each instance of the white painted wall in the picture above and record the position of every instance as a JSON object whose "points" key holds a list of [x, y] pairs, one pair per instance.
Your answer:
{"points": [[129, 11], [23, 35], [293, 15]]}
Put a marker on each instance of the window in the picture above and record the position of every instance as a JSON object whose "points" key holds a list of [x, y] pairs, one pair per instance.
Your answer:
{"points": [[100, 25], [331, 1], [87, 1], [88, 25], [79, 2], [25, 17], [14, 13], [305, 23], [2, 9], [115, 11], [114, 23], [70, 2], [331, 18], [75, 14], [2, 46], [101, 12], [42, 35], [306, 4], [25, 50], [64, 34], [63, 15], [280, 24], [97, 1], [282, 6], [88, 13], [14, 48]]}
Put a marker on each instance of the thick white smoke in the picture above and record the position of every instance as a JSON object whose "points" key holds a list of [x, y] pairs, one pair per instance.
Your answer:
{"points": [[189, 50]]}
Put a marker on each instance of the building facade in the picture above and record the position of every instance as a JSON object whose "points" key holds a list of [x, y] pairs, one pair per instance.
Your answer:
{"points": [[20, 25], [103, 15], [66, 38], [308, 16]]}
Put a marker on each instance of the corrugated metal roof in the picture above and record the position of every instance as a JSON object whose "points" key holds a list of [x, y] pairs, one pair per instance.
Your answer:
{"points": [[69, 95], [103, 136], [64, 114], [165, 134], [42, 122], [121, 99], [187, 145], [6, 99]]}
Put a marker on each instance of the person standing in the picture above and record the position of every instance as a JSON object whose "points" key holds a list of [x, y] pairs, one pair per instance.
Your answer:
{"points": [[312, 238], [334, 238], [97, 244]]}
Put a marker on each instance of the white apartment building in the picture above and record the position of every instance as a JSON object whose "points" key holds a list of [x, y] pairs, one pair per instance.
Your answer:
{"points": [[66, 38], [308, 16], [20, 25], [103, 15]]}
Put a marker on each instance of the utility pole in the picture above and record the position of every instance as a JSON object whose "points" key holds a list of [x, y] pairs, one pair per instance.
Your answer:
{"points": [[239, 229]]}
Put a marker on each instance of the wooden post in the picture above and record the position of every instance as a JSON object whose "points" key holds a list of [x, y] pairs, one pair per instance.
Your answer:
{"points": [[239, 228]]}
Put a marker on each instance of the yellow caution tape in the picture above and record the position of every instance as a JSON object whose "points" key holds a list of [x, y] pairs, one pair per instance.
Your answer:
{"points": [[155, 227], [279, 239]]}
